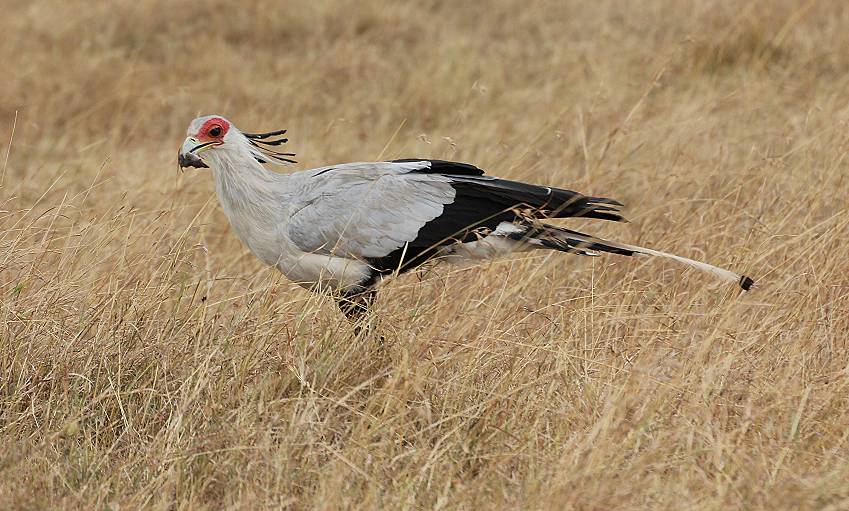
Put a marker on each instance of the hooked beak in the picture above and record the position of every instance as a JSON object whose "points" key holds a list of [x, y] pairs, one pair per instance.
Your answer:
{"points": [[188, 154]]}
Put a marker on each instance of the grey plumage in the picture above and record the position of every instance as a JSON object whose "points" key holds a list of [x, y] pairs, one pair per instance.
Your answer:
{"points": [[348, 225], [365, 210]]}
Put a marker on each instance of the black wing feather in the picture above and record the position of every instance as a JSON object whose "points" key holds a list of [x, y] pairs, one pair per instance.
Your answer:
{"points": [[480, 204], [444, 167]]}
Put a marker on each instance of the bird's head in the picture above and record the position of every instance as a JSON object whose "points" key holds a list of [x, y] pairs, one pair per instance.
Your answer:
{"points": [[212, 137]]}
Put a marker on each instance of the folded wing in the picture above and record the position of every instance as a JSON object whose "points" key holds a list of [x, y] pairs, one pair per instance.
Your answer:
{"points": [[397, 215]]}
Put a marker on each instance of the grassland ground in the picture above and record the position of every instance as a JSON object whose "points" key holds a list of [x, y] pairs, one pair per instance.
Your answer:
{"points": [[147, 360]]}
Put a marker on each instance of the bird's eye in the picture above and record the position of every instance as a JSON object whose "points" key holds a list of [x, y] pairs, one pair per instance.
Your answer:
{"points": [[215, 132]]}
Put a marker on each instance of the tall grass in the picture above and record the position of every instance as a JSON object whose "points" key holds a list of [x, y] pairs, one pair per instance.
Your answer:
{"points": [[147, 360]]}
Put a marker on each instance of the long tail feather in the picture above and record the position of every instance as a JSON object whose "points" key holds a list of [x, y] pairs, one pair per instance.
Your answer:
{"points": [[568, 240], [744, 281]]}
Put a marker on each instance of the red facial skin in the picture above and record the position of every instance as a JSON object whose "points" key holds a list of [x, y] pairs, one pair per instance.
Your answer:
{"points": [[216, 122]]}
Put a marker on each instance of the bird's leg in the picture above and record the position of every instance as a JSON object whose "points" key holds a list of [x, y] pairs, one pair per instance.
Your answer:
{"points": [[356, 306]]}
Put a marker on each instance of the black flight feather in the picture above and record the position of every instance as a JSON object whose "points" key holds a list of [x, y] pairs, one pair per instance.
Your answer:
{"points": [[482, 202]]}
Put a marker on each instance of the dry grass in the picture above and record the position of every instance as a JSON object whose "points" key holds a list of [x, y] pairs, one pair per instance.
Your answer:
{"points": [[149, 361]]}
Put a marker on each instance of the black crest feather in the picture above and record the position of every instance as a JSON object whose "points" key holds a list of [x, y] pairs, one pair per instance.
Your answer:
{"points": [[265, 142]]}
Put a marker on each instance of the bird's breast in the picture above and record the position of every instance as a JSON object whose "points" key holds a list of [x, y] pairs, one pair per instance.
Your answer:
{"points": [[269, 242], [337, 273]]}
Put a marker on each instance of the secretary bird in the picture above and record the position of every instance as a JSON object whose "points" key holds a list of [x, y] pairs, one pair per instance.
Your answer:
{"points": [[346, 227]]}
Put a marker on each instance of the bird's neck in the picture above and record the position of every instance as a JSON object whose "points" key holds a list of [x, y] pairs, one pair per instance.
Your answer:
{"points": [[247, 191]]}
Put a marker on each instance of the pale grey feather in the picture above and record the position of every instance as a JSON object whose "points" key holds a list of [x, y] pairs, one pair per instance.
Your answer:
{"points": [[365, 210]]}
